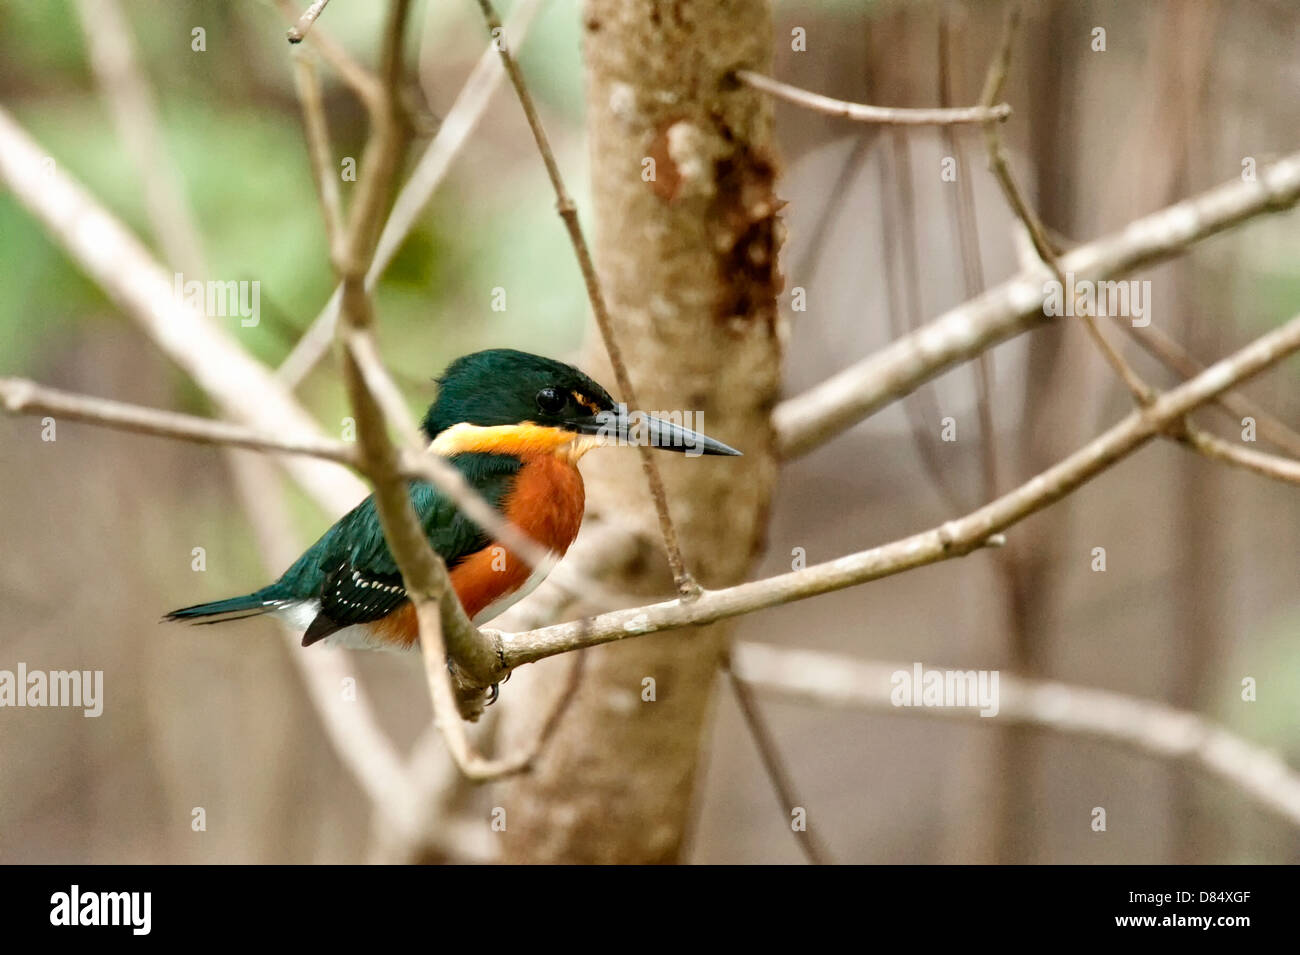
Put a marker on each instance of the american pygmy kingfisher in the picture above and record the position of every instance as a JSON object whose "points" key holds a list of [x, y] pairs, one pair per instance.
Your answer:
{"points": [[514, 425]]}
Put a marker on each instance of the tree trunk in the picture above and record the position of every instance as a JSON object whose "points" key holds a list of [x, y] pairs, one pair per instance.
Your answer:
{"points": [[686, 245]]}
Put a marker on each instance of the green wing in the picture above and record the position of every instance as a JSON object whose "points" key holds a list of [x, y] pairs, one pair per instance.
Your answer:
{"points": [[352, 572]]}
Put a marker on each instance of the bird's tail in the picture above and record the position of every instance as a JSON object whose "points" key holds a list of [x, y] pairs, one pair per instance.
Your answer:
{"points": [[232, 608]]}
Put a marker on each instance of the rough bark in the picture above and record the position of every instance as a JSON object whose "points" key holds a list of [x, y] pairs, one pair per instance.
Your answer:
{"points": [[688, 262]]}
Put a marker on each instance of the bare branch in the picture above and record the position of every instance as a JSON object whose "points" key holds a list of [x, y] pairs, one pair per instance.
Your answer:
{"points": [[686, 585], [819, 414], [955, 538], [1149, 727], [19, 396], [862, 113], [353, 731], [446, 700], [1174, 356]]}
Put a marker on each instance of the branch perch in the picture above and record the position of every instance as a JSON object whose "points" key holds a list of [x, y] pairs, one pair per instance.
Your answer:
{"points": [[955, 538]]}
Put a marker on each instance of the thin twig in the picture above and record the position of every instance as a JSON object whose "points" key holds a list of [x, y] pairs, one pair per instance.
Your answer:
{"points": [[777, 772], [962, 207], [19, 396], [352, 728], [1142, 393], [360, 80], [307, 83], [1269, 465], [1174, 356], [431, 169], [445, 700], [299, 30], [862, 113], [382, 156], [568, 211], [903, 304]]}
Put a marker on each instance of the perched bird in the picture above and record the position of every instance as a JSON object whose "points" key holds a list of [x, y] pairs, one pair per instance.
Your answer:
{"points": [[514, 425]]}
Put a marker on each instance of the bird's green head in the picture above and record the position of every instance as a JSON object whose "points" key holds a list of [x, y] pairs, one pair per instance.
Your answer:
{"points": [[508, 401]]}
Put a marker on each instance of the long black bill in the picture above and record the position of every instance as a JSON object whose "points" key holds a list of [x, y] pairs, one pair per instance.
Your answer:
{"points": [[639, 428]]}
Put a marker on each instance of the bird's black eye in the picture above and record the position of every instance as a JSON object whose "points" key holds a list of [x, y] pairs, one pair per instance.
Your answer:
{"points": [[551, 401]]}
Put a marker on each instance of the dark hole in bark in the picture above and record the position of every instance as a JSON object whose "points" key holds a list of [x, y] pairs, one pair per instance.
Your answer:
{"points": [[749, 238]]}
